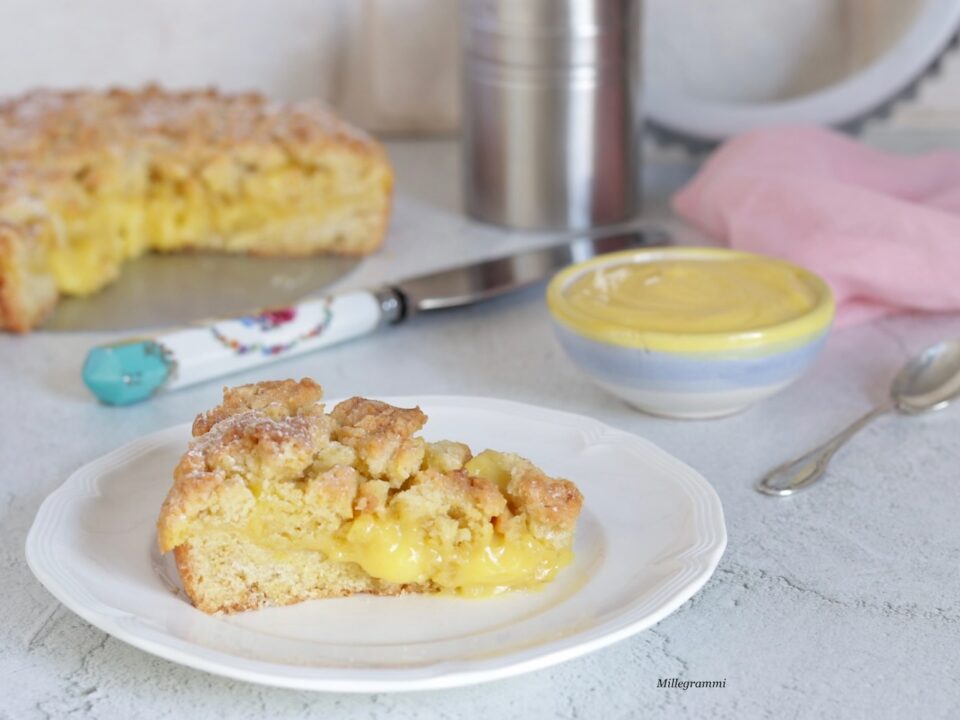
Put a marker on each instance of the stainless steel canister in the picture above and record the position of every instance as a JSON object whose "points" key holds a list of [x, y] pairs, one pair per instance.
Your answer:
{"points": [[552, 121]]}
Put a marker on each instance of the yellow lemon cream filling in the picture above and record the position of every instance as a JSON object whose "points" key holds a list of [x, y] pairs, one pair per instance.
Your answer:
{"points": [[403, 546], [235, 210], [402, 543], [408, 551], [689, 299]]}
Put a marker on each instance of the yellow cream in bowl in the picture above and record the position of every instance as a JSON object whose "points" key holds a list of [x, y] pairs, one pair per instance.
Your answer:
{"points": [[690, 299]]}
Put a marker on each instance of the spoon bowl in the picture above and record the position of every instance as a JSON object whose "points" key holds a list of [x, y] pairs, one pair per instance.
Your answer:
{"points": [[930, 381]]}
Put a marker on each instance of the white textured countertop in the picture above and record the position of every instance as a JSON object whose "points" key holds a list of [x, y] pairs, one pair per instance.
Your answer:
{"points": [[841, 602]]}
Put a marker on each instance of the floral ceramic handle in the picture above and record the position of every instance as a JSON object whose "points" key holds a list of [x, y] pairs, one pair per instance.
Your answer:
{"points": [[129, 371]]}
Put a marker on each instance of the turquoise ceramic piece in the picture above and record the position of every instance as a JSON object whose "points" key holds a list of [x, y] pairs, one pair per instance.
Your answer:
{"points": [[127, 373]]}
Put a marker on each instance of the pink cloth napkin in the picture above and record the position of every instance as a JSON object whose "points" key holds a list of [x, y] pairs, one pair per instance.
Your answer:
{"points": [[883, 230]]}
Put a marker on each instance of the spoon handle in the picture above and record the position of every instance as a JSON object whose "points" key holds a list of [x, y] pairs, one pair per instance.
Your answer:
{"points": [[805, 470]]}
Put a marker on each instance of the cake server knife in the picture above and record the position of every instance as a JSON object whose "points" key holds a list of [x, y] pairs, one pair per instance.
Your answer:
{"points": [[132, 370]]}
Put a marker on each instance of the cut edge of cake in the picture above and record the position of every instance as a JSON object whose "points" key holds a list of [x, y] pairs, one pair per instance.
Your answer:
{"points": [[89, 180]]}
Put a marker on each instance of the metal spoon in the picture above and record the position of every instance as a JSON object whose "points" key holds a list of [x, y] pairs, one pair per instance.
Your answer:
{"points": [[929, 381]]}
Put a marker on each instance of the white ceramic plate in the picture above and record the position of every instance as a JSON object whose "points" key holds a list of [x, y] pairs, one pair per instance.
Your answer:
{"points": [[650, 535]]}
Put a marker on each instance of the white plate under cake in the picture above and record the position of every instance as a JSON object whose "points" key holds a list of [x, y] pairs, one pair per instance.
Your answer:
{"points": [[649, 534]]}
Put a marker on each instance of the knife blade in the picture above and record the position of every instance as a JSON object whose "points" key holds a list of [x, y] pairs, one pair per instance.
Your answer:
{"points": [[488, 279], [135, 369]]}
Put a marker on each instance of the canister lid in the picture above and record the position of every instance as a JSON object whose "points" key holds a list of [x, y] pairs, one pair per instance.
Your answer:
{"points": [[552, 33]]}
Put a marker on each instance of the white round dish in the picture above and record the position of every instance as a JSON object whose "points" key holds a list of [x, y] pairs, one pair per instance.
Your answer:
{"points": [[719, 69], [651, 534]]}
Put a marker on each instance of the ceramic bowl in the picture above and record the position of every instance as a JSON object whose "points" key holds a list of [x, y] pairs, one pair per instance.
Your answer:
{"points": [[690, 375]]}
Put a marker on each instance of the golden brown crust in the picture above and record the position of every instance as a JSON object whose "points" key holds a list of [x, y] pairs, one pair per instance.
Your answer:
{"points": [[65, 151], [378, 418], [457, 492], [447, 455], [551, 503], [208, 477], [24, 301], [277, 398], [274, 423], [178, 127], [382, 437]]}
